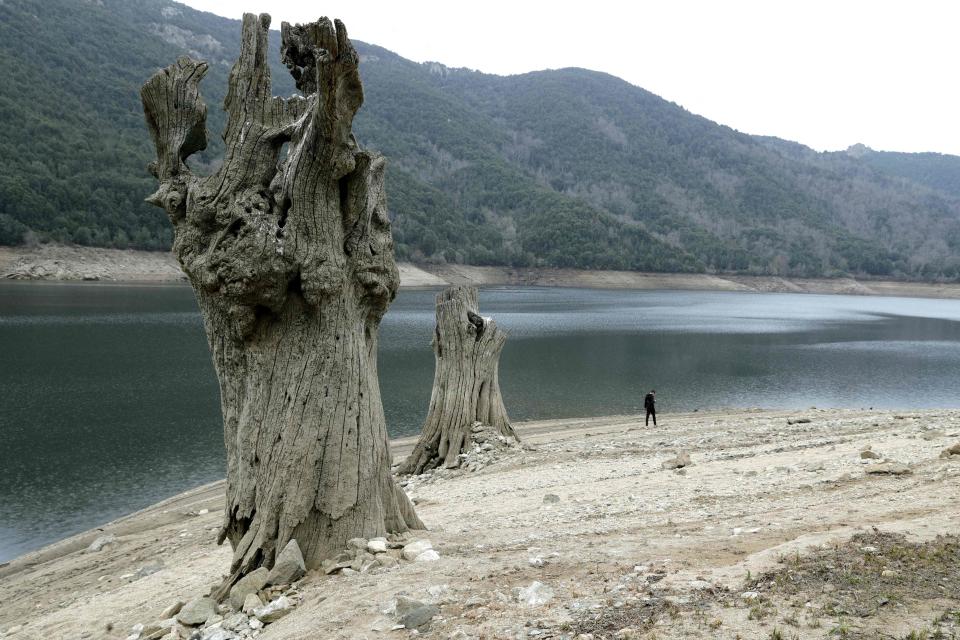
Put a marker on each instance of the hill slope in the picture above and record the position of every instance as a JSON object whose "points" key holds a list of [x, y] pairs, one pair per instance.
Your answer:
{"points": [[561, 168]]}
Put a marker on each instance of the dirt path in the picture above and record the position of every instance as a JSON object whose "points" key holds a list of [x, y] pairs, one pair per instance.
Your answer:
{"points": [[621, 534]]}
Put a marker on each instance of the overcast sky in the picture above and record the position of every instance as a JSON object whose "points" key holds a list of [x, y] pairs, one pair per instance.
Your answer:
{"points": [[824, 73]]}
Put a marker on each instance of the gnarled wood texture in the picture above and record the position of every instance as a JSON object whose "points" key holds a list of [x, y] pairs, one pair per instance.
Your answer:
{"points": [[466, 382], [291, 259]]}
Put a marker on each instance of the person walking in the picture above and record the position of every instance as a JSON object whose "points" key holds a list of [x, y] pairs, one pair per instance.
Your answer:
{"points": [[650, 404]]}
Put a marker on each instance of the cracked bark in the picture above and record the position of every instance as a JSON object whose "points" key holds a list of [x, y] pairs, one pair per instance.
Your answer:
{"points": [[466, 382], [292, 263]]}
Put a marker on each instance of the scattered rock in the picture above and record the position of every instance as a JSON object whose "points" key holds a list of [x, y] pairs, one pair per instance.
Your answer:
{"points": [[274, 611], [889, 573], [414, 549], [148, 569], [413, 614], [172, 610], [101, 542], [377, 545], [419, 617], [798, 421], [218, 633], [385, 624], [342, 560], [680, 461], [889, 468], [197, 611], [749, 595], [427, 556], [386, 562], [934, 434], [867, 454], [251, 603], [250, 583], [951, 451], [537, 594], [289, 565], [551, 498], [359, 544]]}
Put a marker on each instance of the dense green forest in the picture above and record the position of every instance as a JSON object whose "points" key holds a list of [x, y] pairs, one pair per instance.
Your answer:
{"points": [[569, 168]]}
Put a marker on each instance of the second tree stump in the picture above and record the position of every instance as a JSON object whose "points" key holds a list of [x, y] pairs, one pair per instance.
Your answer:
{"points": [[466, 384]]}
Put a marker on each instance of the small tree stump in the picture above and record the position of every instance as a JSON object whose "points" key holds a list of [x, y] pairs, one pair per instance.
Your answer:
{"points": [[466, 383]]}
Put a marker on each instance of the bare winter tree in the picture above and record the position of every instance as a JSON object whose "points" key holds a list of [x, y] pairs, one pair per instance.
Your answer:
{"points": [[466, 382], [292, 263]]}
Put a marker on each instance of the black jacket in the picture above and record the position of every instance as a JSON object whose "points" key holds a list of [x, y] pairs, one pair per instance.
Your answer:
{"points": [[648, 402]]}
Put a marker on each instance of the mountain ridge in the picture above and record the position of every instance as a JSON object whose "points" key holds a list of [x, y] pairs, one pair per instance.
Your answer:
{"points": [[562, 168]]}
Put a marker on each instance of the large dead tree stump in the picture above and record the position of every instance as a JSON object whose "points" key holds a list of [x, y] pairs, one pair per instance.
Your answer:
{"points": [[291, 259], [466, 382]]}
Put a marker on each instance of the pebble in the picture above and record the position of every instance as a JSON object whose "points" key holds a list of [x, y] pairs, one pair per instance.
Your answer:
{"points": [[101, 542], [681, 460], [172, 610], [537, 594]]}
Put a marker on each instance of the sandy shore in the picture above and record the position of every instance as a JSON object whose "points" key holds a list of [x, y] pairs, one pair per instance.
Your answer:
{"points": [[50, 262], [623, 539]]}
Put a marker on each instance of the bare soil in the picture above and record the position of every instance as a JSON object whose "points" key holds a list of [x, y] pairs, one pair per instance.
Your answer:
{"points": [[741, 544]]}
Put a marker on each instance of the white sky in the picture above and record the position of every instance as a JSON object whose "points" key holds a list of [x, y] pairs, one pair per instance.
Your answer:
{"points": [[824, 73]]}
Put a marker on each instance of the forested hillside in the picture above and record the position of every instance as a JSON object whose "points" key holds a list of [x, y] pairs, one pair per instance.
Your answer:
{"points": [[558, 168]]}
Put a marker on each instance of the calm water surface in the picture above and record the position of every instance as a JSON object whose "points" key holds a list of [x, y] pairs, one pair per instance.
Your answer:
{"points": [[108, 400]]}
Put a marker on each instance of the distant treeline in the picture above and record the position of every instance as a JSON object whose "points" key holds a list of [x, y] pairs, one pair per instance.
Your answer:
{"points": [[568, 168]]}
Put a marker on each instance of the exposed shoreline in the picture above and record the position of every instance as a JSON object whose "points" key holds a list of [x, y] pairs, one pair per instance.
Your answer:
{"points": [[71, 264], [762, 485]]}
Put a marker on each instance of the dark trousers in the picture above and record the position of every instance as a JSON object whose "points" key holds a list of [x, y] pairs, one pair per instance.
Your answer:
{"points": [[651, 412]]}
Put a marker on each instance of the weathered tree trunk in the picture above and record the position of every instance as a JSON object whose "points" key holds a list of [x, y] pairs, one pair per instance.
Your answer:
{"points": [[466, 383], [292, 263]]}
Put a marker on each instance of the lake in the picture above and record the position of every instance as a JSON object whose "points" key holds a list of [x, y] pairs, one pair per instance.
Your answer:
{"points": [[108, 400]]}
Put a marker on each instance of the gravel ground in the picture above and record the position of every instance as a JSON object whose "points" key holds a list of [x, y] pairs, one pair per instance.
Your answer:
{"points": [[581, 531]]}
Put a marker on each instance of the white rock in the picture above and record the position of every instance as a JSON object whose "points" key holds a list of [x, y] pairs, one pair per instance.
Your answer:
{"points": [[439, 591], [427, 556], [377, 545], [749, 595], [537, 594], [415, 548], [101, 542], [275, 610]]}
